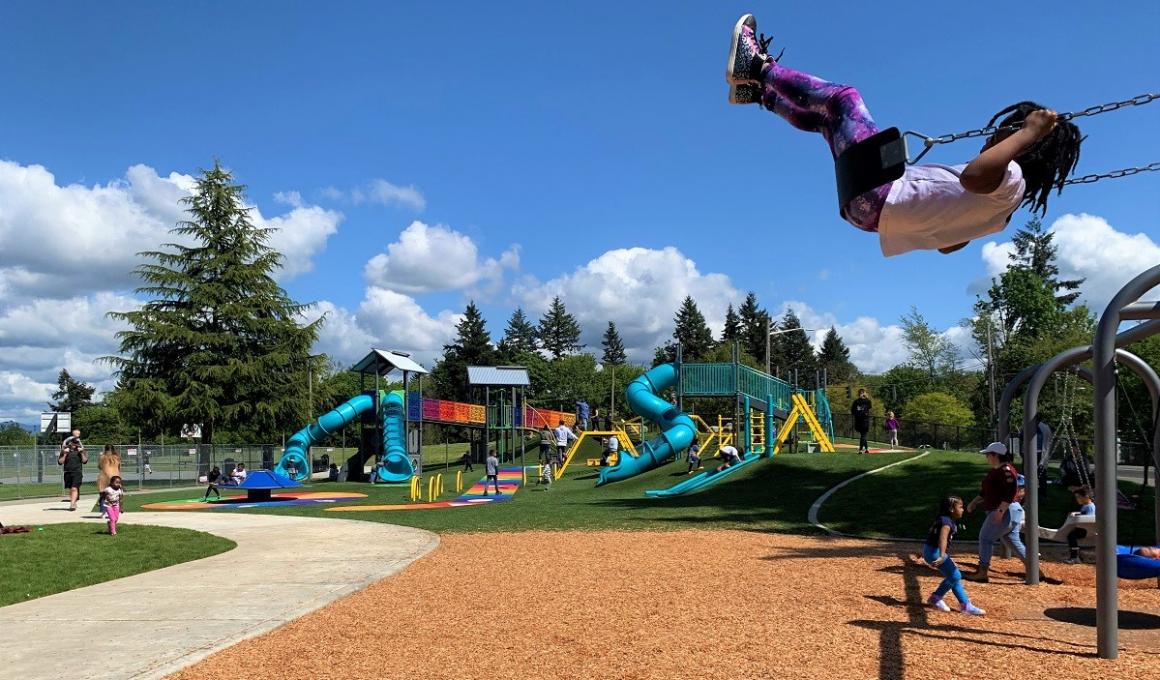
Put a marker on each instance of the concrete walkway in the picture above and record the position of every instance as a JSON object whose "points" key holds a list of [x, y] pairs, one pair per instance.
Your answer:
{"points": [[153, 624]]}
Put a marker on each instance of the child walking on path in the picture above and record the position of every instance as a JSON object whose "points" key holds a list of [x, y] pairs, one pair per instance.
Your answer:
{"points": [[931, 207], [112, 495], [936, 553], [1083, 498]]}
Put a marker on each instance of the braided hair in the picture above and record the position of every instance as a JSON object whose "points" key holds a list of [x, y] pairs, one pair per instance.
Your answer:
{"points": [[1047, 163]]}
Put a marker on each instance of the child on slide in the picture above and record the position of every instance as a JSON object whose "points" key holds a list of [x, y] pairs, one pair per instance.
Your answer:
{"points": [[931, 207], [934, 553]]}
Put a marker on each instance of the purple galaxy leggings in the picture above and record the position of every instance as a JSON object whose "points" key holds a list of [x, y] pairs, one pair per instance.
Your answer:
{"points": [[837, 112]]}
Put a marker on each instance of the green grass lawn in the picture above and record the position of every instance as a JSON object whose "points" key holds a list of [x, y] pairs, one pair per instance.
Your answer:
{"points": [[66, 556], [902, 501], [767, 496]]}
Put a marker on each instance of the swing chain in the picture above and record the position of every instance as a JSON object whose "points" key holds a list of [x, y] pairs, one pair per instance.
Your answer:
{"points": [[1123, 172], [1138, 100]]}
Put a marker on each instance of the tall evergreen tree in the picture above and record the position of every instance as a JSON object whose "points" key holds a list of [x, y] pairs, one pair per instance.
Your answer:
{"points": [[834, 357], [471, 347], [755, 323], [692, 332], [71, 395], [614, 354], [219, 344], [558, 332], [519, 336], [792, 350], [732, 330], [1035, 250]]}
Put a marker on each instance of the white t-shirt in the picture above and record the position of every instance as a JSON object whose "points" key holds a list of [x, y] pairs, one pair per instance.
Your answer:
{"points": [[563, 435], [113, 496], [613, 444], [928, 208], [729, 452]]}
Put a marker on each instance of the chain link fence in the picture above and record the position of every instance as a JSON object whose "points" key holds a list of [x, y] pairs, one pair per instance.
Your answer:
{"points": [[32, 471]]}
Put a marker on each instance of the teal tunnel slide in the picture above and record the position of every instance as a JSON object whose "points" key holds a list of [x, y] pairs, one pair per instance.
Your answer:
{"points": [[677, 429], [396, 465]]}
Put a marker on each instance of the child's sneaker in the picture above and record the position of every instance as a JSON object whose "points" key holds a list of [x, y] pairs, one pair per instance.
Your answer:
{"points": [[971, 609], [743, 52], [743, 94], [937, 603]]}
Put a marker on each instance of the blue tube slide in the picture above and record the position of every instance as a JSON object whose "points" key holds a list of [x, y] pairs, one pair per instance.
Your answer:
{"points": [[395, 465], [677, 429], [298, 446]]}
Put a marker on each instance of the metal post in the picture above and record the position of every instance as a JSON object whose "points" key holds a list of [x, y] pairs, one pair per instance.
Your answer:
{"points": [[1103, 360]]}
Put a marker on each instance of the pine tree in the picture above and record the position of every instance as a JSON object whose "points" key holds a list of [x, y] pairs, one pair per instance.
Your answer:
{"points": [[691, 331], [471, 347], [792, 350], [71, 395], [519, 337], [754, 327], [219, 344], [732, 331], [558, 332], [834, 357], [614, 354], [1035, 251]]}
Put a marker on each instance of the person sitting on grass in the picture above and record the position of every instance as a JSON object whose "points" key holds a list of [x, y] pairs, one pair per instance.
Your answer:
{"points": [[936, 553], [694, 457], [211, 481], [1083, 498]]}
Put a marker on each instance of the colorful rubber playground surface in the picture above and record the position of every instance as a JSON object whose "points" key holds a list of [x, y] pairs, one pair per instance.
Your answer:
{"points": [[241, 502], [509, 483]]}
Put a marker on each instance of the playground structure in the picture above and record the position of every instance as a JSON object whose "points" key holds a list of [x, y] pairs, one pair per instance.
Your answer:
{"points": [[1112, 561], [391, 423], [759, 399]]}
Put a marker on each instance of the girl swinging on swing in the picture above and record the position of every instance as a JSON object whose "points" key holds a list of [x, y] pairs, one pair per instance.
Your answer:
{"points": [[931, 207]]}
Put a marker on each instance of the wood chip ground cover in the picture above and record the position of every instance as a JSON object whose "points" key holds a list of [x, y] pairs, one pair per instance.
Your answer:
{"points": [[693, 604]]}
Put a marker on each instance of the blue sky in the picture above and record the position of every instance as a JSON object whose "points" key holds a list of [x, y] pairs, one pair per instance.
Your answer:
{"points": [[565, 131]]}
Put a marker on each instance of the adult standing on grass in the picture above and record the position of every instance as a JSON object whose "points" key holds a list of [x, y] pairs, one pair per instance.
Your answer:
{"points": [[73, 458], [582, 414], [860, 409]]}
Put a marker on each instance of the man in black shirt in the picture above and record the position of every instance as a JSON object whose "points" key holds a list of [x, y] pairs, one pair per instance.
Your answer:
{"points": [[73, 458], [860, 409]]}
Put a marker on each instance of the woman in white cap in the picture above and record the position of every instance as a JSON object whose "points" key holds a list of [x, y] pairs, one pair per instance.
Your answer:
{"points": [[996, 496]]}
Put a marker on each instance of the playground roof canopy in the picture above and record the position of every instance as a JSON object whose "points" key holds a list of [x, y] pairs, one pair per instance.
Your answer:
{"points": [[383, 361], [506, 376]]}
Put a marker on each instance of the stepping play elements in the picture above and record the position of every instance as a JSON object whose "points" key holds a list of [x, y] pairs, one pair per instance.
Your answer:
{"points": [[509, 482]]}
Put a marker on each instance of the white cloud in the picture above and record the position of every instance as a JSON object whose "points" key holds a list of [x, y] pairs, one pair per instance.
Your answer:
{"points": [[430, 258], [639, 289], [58, 240], [379, 191], [1089, 248]]}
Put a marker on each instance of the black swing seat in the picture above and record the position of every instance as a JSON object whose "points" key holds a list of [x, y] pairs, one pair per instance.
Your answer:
{"points": [[869, 164]]}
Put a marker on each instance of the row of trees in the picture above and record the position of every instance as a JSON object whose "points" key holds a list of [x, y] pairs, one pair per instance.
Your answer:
{"points": [[219, 343]]}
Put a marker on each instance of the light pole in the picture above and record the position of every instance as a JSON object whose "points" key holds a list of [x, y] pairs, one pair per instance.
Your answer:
{"points": [[769, 333]]}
